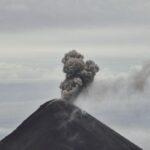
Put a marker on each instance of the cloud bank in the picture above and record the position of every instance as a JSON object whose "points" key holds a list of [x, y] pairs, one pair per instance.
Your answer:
{"points": [[23, 14], [14, 72]]}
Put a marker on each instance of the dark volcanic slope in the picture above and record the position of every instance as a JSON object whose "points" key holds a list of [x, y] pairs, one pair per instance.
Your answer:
{"points": [[57, 125]]}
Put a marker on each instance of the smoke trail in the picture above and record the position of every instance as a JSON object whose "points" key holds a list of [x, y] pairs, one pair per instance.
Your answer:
{"points": [[121, 85], [140, 79], [79, 75], [122, 101], [125, 94]]}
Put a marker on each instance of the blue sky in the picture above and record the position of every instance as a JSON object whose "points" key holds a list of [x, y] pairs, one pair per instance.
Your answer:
{"points": [[35, 35]]}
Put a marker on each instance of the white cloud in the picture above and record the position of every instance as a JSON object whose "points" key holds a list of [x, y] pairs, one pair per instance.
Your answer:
{"points": [[99, 42], [10, 72], [4, 131]]}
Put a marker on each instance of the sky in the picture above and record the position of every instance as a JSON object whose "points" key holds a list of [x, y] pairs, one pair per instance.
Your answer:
{"points": [[35, 35]]}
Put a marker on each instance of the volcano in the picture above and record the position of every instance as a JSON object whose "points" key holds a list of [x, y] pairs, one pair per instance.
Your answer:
{"points": [[59, 125]]}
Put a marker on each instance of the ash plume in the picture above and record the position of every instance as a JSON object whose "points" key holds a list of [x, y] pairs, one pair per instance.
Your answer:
{"points": [[79, 74], [140, 79], [132, 86]]}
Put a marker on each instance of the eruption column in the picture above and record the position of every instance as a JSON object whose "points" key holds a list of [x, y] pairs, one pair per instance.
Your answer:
{"points": [[79, 75]]}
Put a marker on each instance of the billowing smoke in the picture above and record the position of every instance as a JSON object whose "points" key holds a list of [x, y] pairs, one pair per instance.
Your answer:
{"points": [[79, 75], [122, 101], [120, 85]]}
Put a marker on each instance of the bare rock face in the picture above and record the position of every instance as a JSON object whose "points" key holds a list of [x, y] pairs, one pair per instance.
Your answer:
{"points": [[58, 125]]}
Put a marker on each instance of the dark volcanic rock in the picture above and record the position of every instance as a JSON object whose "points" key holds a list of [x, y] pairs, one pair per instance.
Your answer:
{"points": [[58, 125]]}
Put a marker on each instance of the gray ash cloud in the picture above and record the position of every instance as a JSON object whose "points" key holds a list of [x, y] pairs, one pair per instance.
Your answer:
{"points": [[79, 74]]}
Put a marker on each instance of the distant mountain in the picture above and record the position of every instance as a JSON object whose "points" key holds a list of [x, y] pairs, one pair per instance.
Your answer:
{"points": [[58, 125]]}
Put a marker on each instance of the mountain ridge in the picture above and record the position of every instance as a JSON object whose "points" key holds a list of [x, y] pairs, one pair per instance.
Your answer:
{"points": [[60, 125]]}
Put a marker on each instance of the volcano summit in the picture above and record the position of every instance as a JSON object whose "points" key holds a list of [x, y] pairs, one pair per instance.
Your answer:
{"points": [[59, 125]]}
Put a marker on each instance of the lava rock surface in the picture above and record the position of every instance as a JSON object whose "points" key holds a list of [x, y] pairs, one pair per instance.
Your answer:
{"points": [[58, 125]]}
